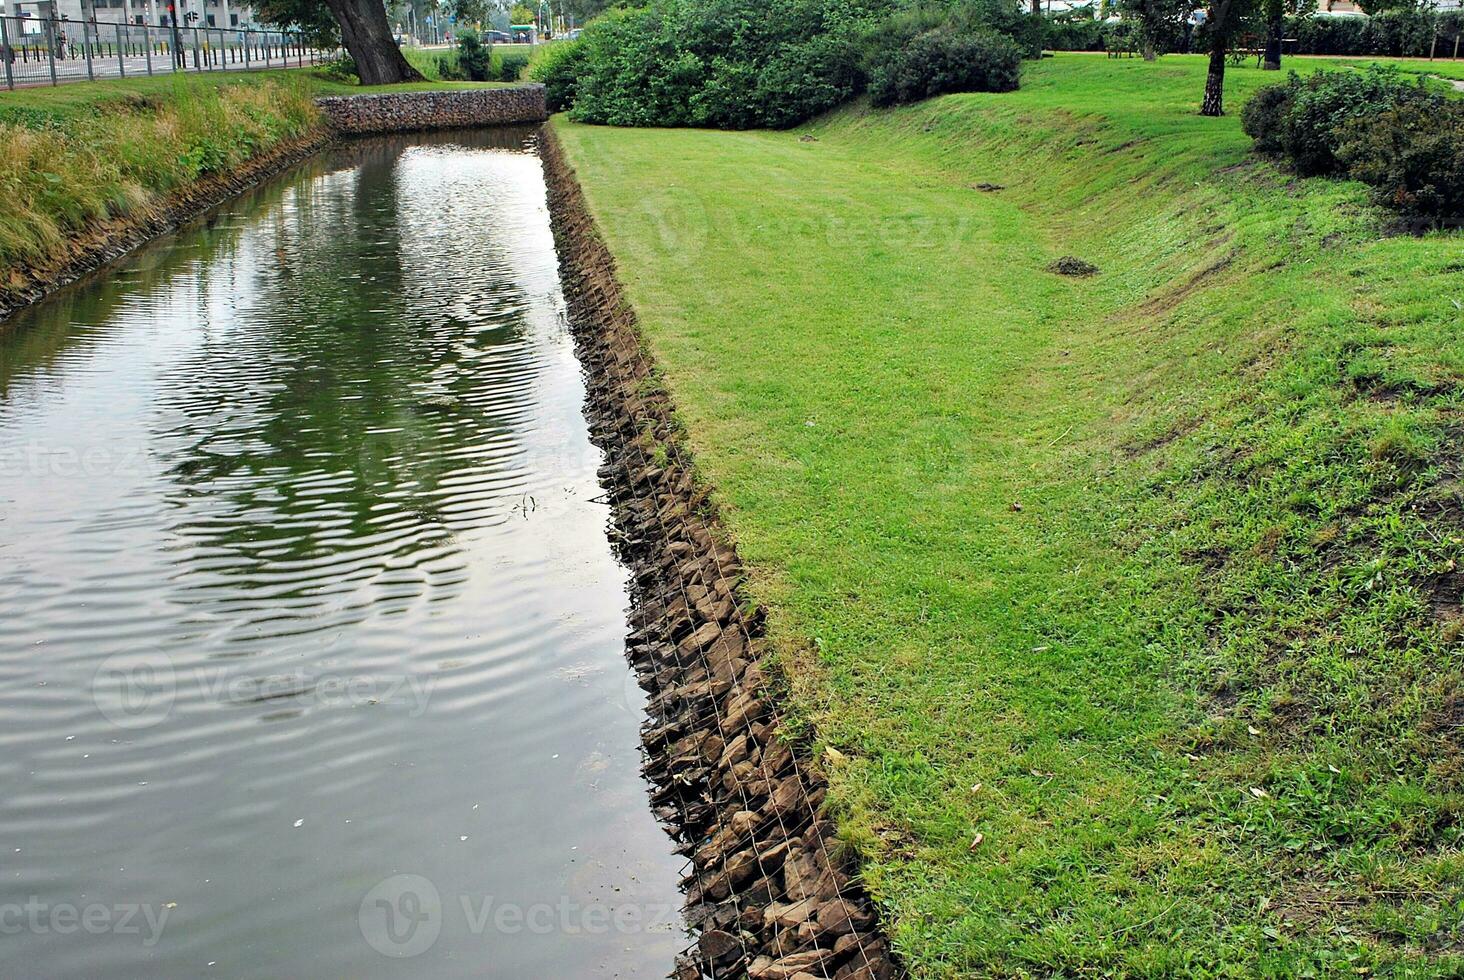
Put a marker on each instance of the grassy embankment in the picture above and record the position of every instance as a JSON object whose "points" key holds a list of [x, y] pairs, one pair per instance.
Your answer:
{"points": [[77, 154], [1148, 578]]}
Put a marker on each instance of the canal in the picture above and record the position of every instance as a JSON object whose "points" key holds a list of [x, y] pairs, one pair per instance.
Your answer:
{"points": [[311, 636]]}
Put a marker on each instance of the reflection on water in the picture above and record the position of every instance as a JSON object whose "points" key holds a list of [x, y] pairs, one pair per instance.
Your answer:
{"points": [[310, 655]]}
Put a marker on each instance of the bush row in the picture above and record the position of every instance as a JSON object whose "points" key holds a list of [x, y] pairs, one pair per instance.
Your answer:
{"points": [[730, 64], [1403, 33], [1403, 138], [1394, 33]]}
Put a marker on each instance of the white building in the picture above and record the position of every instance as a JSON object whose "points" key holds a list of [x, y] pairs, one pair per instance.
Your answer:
{"points": [[210, 13]]}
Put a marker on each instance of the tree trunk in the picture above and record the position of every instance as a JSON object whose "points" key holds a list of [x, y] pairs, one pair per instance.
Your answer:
{"points": [[1272, 60], [1214, 104], [1220, 28], [1150, 54], [367, 36]]}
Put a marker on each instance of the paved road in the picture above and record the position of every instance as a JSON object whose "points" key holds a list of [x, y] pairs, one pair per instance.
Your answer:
{"points": [[27, 73]]}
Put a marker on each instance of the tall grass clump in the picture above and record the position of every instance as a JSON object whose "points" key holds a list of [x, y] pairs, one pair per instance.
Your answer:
{"points": [[63, 172]]}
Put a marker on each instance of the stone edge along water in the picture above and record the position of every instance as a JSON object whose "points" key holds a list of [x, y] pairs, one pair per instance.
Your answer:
{"points": [[769, 892], [402, 112]]}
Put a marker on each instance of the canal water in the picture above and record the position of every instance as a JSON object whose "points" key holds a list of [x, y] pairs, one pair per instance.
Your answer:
{"points": [[310, 632]]}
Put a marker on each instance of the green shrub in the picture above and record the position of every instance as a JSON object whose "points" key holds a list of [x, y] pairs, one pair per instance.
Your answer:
{"points": [[728, 64], [341, 69], [1413, 155], [474, 61], [1263, 117], [1073, 30], [508, 67], [738, 64], [945, 60], [1301, 118], [1400, 137], [448, 69], [558, 67]]}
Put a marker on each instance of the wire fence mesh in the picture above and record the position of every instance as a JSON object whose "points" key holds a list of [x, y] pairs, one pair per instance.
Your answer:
{"points": [[43, 51]]}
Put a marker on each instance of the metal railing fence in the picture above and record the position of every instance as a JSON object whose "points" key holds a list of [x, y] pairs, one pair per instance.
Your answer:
{"points": [[42, 51]]}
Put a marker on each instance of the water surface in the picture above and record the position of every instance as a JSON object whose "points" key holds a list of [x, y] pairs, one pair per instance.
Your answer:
{"points": [[310, 634]]}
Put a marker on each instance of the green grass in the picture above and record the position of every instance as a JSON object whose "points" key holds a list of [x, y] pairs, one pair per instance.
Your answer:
{"points": [[1146, 577], [1441, 68], [85, 99]]}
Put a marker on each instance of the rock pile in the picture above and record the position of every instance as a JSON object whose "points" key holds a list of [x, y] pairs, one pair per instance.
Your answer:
{"points": [[766, 889]]}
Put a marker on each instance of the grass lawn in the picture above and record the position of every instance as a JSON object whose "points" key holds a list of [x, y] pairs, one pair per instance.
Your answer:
{"points": [[1439, 67], [1146, 577], [77, 99]]}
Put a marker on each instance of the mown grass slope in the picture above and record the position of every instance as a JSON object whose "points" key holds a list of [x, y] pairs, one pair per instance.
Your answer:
{"points": [[1148, 578]]}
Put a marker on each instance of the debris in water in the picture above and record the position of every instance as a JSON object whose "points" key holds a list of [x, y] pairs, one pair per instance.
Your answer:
{"points": [[300, 821]]}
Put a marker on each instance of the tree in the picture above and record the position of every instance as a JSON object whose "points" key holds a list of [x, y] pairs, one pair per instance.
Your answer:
{"points": [[469, 12], [1276, 12], [1226, 17], [521, 14], [363, 29], [1157, 21]]}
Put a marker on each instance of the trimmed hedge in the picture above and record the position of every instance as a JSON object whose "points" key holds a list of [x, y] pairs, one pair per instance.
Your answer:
{"points": [[1402, 33]]}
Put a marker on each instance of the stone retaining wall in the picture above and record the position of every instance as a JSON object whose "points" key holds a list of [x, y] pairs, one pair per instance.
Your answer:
{"points": [[400, 112]]}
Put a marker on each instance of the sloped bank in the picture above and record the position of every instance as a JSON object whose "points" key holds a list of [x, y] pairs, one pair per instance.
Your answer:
{"points": [[106, 241], [102, 242], [767, 888]]}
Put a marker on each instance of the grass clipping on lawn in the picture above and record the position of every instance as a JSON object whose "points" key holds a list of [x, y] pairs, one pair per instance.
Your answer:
{"points": [[1146, 580], [66, 164]]}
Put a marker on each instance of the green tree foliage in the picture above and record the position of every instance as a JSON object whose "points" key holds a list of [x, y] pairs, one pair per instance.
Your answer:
{"points": [[361, 25], [310, 17], [469, 13], [1159, 23]]}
